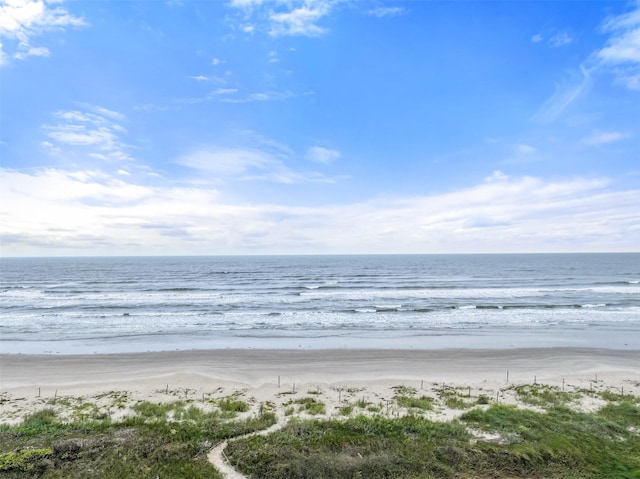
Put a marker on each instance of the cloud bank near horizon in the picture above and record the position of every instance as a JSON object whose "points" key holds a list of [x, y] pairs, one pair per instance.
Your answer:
{"points": [[59, 212]]}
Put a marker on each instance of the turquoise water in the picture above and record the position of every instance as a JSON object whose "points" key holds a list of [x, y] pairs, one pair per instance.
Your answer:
{"points": [[80, 305]]}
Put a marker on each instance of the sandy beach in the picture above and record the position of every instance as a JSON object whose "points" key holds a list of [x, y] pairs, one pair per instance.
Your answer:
{"points": [[336, 376]]}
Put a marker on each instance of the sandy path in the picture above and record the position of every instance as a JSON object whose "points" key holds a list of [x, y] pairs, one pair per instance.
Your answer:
{"points": [[219, 459]]}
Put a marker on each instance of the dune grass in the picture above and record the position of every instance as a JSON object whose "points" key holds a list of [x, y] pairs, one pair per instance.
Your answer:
{"points": [[372, 447], [553, 440], [557, 443], [157, 440]]}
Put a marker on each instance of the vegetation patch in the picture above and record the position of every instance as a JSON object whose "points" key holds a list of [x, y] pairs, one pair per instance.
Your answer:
{"points": [[171, 440], [311, 406], [543, 396], [157, 440], [424, 403], [371, 447], [560, 440], [25, 460], [517, 443], [232, 404]]}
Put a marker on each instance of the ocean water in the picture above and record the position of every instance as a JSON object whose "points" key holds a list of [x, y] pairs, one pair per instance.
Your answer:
{"points": [[85, 305]]}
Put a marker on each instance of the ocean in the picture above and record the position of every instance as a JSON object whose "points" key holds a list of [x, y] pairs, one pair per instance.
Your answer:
{"points": [[135, 304]]}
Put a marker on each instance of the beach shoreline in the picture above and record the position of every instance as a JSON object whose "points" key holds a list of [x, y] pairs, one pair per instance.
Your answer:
{"points": [[256, 367], [29, 382]]}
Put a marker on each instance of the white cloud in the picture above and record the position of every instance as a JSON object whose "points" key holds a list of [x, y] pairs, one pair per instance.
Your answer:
{"points": [[199, 78], [266, 162], [232, 95], [381, 12], [225, 91], [51, 212], [560, 39], [114, 115], [261, 96], [537, 38], [604, 137], [96, 131], [216, 62], [32, 52], [319, 154], [301, 21], [282, 18], [228, 162], [245, 3], [565, 94], [497, 175], [258, 97], [622, 51], [21, 20]]}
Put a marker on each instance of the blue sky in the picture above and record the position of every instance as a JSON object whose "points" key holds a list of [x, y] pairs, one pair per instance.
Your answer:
{"points": [[319, 126]]}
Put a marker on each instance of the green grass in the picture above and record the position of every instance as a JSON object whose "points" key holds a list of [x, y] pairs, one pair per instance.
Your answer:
{"points": [[165, 440], [371, 447], [346, 410], [172, 440], [423, 403], [543, 396], [453, 399], [558, 443], [232, 405], [311, 406], [559, 440], [25, 460]]}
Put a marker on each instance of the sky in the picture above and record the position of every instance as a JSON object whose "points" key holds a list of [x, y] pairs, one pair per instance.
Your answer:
{"points": [[318, 127]]}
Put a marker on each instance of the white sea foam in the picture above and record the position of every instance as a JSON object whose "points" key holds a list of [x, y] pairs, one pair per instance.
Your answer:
{"points": [[189, 299]]}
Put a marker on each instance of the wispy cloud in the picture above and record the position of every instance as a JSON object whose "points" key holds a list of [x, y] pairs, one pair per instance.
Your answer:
{"points": [[22, 20], [605, 137], [90, 212], [497, 175], [258, 96], [300, 21], [266, 162], [525, 149], [622, 51], [566, 93], [554, 40], [319, 154], [230, 162], [560, 39], [96, 130], [620, 56], [246, 3], [381, 12], [223, 95], [283, 18], [32, 52]]}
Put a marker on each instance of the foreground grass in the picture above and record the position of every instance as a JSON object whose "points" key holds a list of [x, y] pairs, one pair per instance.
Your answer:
{"points": [[166, 441], [558, 443], [544, 439]]}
